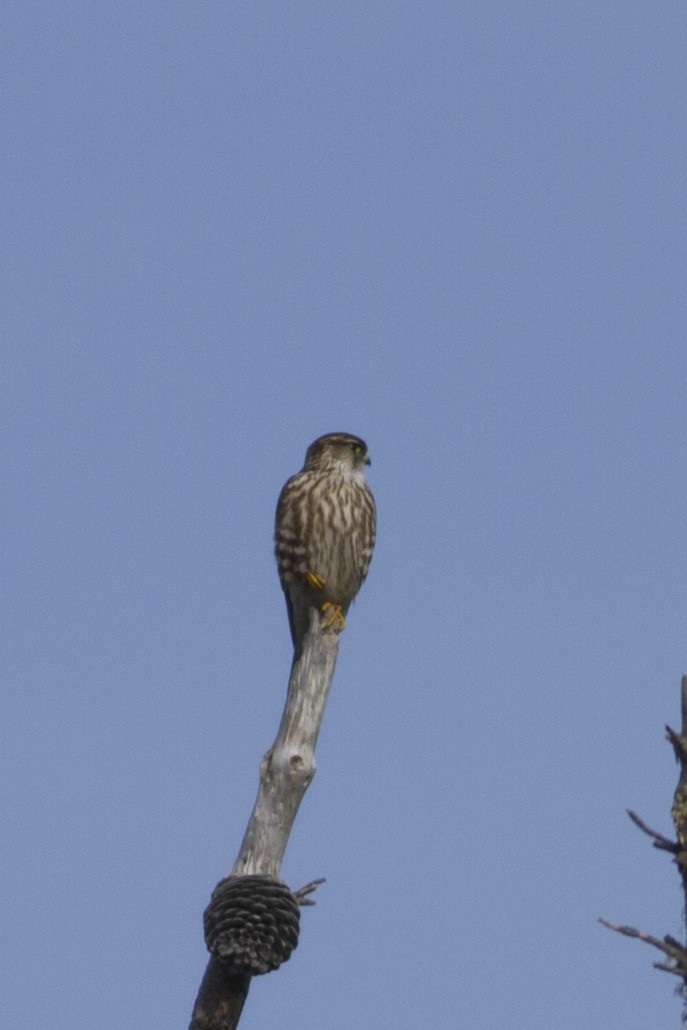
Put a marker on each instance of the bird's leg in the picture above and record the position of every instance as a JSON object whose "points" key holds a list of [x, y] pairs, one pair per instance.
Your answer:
{"points": [[335, 619], [335, 616]]}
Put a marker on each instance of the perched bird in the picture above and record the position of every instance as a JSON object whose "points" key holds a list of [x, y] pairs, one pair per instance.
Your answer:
{"points": [[325, 532]]}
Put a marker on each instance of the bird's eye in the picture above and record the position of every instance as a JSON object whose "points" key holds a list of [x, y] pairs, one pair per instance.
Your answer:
{"points": [[357, 449]]}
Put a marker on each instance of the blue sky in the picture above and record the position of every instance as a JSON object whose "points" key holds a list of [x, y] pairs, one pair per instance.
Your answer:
{"points": [[457, 230]]}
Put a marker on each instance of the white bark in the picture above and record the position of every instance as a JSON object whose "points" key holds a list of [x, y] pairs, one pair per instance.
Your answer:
{"points": [[287, 769], [285, 773]]}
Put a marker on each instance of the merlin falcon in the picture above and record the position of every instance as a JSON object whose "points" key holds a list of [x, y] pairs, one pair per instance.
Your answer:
{"points": [[325, 531]]}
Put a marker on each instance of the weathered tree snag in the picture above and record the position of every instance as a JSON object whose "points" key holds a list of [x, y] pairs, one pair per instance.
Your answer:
{"points": [[220, 999], [674, 952], [251, 923]]}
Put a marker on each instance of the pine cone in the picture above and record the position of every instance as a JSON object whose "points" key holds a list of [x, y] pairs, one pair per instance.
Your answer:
{"points": [[251, 924]]}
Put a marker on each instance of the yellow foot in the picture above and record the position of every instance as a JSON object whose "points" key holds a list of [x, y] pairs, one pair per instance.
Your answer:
{"points": [[315, 581], [335, 618]]}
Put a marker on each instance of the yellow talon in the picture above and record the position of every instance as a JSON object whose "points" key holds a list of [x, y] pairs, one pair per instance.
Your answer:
{"points": [[315, 581], [335, 618]]}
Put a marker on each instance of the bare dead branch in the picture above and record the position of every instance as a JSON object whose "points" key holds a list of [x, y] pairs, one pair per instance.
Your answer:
{"points": [[678, 744], [301, 895], [286, 771], [669, 946], [659, 840], [675, 952]]}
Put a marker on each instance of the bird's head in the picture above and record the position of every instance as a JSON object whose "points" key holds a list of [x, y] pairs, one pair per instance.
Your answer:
{"points": [[337, 450]]}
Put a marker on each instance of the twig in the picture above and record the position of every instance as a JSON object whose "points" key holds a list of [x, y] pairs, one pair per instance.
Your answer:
{"points": [[677, 742], [669, 946], [659, 840], [301, 895]]}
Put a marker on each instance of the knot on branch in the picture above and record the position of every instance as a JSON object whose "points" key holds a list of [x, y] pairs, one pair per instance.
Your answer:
{"points": [[251, 924]]}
